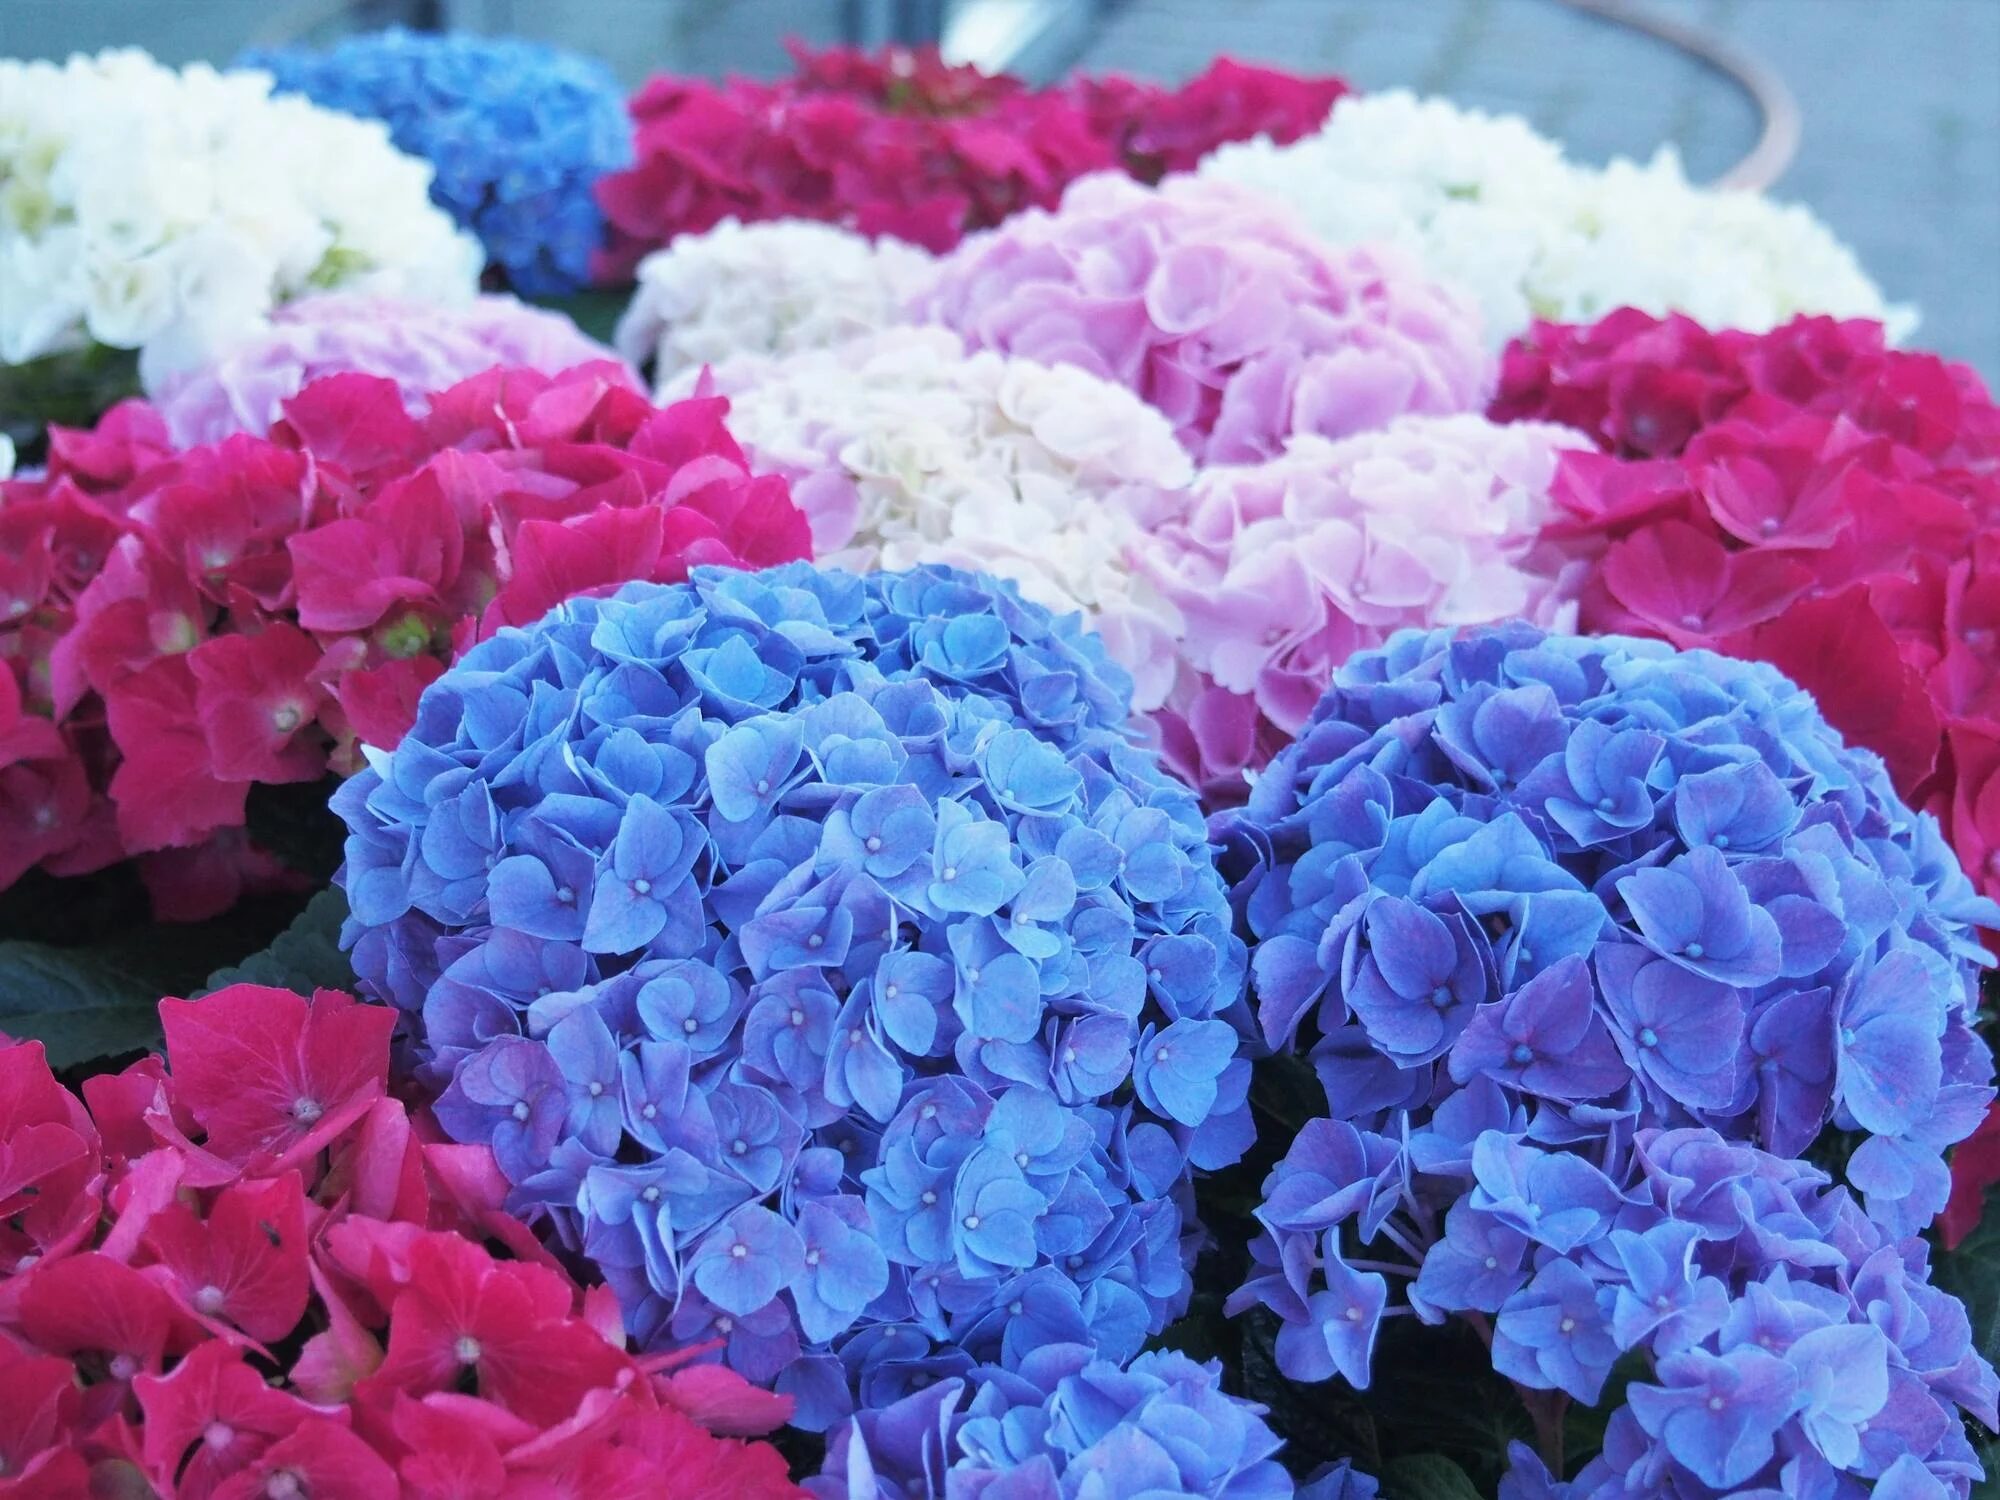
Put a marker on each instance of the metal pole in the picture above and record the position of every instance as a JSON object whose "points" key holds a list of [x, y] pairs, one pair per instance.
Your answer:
{"points": [[1779, 141]]}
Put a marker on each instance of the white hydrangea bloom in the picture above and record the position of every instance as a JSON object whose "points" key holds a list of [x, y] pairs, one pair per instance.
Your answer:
{"points": [[764, 289], [903, 448], [1486, 204], [169, 211]]}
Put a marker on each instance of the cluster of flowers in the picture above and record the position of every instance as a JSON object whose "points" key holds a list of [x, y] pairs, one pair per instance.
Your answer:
{"points": [[422, 348], [821, 962], [1589, 940], [1804, 497], [1218, 308], [1230, 605], [1810, 498], [1332, 511], [741, 291], [904, 449], [1489, 207], [1280, 571], [1156, 130], [180, 625], [519, 134], [902, 144], [170, 211], [1066, 1423], [245, 1270]]}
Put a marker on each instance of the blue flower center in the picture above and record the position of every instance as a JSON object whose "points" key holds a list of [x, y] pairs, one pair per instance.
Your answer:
{"points": [[1648, 1037], [1523, 1053], [1441, 997]]}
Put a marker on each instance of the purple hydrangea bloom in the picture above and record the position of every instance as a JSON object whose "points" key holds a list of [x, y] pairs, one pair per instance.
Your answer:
{"points": [[840, 979], [1588, 942], [1066, 1423]]}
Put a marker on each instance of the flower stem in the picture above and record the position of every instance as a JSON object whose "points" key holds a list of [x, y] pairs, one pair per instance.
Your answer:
{"points": [[1386, 1267], [1547, 1410]]}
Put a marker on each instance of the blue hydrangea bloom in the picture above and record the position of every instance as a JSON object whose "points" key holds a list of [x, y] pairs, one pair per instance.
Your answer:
{"points": [[1589, 942], [822, 961], [1063, 1424], [518, 132]]}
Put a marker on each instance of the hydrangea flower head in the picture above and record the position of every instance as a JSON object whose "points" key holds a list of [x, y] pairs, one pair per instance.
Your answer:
{"points": [[1281, 570], [1806, 497], [905, 448], [1066, 1422], [768, 289], [251, 610], [169, 211], [817, 955], [423, 349], [899, 143], [519, 134], [894, 143], [318, 1299], [1588, 941], [1159, 130], [1493, 210], [1218, 308]]}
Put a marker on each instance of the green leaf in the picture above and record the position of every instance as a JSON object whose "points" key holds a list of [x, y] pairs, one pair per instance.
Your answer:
{"points": [[304, 957], [1971, 1273], [1987, 1448], [595, 312], [77, 1004], [72, 389], [88, 984], [1202, 1333], [294, 824], [1426, 1476]]}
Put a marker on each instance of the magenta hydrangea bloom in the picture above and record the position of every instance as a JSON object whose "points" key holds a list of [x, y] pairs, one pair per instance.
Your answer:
{"points": [[1282, 570], [422, 348], [1218, 308]]}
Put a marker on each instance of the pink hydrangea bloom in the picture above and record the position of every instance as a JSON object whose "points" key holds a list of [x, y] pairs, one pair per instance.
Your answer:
{"points": [[422, 348], [1218, 308], [1282, 570]]}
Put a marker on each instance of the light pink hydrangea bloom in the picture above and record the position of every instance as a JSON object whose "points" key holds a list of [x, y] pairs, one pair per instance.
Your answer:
{"points": [[423, 348], [1282, 570], [1217, 307]]}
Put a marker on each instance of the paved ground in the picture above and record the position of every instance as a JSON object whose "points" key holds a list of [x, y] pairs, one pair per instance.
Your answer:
{"points": [[1901, 98]]}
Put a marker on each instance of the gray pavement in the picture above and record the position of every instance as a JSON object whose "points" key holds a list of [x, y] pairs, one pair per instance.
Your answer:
{"points": [[1901, 98]]}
